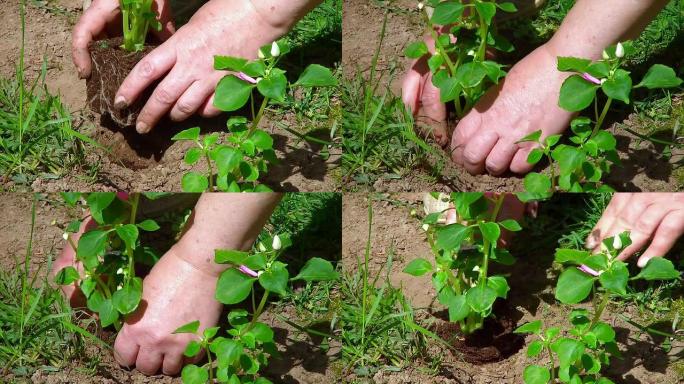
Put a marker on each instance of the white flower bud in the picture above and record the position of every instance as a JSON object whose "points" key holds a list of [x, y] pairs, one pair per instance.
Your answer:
{"points": [[420, 5], [605, 55], [262, 247], [275, 49], [425, 227], [617, 242], [620, 50], [276, 243], [260, 54], [119, 271]]}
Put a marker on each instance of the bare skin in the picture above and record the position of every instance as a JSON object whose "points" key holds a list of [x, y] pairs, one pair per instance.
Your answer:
{"points": [[527, 100], [655, 222], [181, 286], [184, 62]]}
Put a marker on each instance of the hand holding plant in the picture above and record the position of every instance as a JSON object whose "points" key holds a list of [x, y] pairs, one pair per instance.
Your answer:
{"points": [[580, 353]]}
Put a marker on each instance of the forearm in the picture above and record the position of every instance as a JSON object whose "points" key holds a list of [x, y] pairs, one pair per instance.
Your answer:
{"points": [[225, 221], [592, 25], [283, 14]]}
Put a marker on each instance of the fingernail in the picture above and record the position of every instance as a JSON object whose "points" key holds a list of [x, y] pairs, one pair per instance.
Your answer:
{"points": [[142, 127], [642, 261], [120, 102], [81, 75], [591, 242]]}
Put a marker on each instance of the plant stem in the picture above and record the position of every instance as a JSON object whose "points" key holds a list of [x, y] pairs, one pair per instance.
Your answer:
{"points": [[597, 313], [211, 171], [599, 120], [257, 119], [487, 246], [258, 311], [364, 283], [20, 76], [210, 363], [552, 364], [135, 200]]}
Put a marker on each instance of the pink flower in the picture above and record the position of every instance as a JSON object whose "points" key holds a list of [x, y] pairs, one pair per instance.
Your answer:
{"points": [[591, 78], [247, 271], [587, 270], [246, 78]]}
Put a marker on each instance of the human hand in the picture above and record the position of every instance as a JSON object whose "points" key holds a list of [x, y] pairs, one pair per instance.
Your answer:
{"points": [[103, 19], [185, 62], [655, 220]]}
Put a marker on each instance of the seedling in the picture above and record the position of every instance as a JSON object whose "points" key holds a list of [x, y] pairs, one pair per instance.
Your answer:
{"points": [[578, 354], [579, 167], [462, 34], [247, 151], [244, 351], [138, 18], [108, 254], [462, 252]]}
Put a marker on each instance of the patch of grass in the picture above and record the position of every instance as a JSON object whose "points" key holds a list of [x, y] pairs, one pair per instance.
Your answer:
{"points": [[375, 320], [36, 134], [324, 20], [35, 322], [377, 133]]}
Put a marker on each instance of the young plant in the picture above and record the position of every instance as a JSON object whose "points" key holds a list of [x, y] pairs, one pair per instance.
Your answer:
{"points": [[579, 167], [462, 33], [247, 152], [138, 17], [578, 354], [108, 253], [244, 351], [462, 253]]}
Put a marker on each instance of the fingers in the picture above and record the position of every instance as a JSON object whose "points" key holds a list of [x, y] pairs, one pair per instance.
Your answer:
{"points": [[149, 361], [91, 24], [208, 109], [476, 151], [669, 230], [642, 230], [499, 159], [432, 111], [411, 88], [192, 100], [519, 163], [617, 202], [172, 364], [465, 129], [125, 350], [149, 69]]}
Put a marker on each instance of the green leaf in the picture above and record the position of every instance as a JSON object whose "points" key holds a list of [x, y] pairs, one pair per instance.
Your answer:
{"points": [[599, 69], [535, 155], [458, 308], [317, 269], [536, 374], [605, 140], [576, 94], [129, 234], [194, 182], [416, 50], [490, 231], [481, 298], [90, 246], [447, 12], [532, 137], [418, 267], [510, 225], [188, 134], [255, 261], [71, 198], [262, 140], [233, 286], [615, 278], [148, 225], [227, 351], [191, 327], [262, 332], [471, 74], [227, 159], [537, 183], [316, 75], [619, 86], [507, 7], [225, 256], [192, 155], [604, 332], [575, 256], [568, 350], [531, 327], [569, 158], [535, 348], [449, 89], [192, 349], [451, 236], [232, 93], [573, 286], [274, 85], [98, 202], [193, 374], [658, 268], [275, 278], [660, 76], [108, 315], [229, 63], [573, 64], [67, 276], [499, 285], [486, 10], [127, 298]]}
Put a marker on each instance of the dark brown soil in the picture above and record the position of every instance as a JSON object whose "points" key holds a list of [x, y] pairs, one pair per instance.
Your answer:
{"points": [[495, 341], [111, 65]]}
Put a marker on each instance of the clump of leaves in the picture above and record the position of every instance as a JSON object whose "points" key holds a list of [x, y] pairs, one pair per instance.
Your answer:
{"points": [[462, 252], [579, 354], [138, 18], [244, 351], [579, 166], [243, 155], [462, 33], [108, 253]]}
